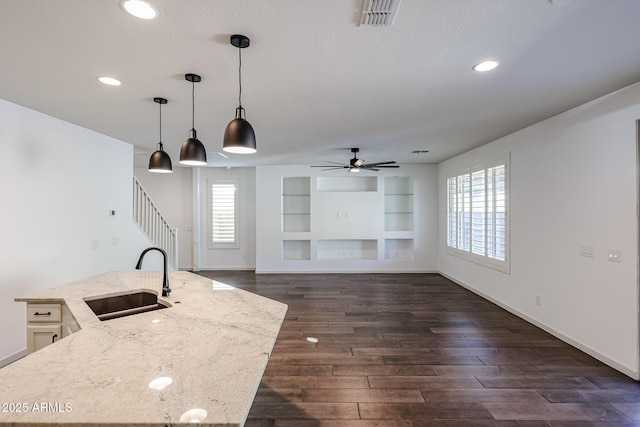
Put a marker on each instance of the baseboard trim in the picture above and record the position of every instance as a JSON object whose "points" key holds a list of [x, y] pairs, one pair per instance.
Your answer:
{"points": [[577, 344], [366, 271], [243, 268], [12, 358]]}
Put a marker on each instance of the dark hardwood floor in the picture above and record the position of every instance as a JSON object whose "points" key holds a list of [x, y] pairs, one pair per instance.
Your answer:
{"points": [[414, 350]]}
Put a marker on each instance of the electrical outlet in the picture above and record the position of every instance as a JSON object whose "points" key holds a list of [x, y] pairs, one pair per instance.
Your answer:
{"points": [[538, 300], [614, 255], [587, 251], [95, 244], [115, 241]]}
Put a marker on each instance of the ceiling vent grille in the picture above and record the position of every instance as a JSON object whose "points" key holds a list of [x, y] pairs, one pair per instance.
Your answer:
{"points": [[379, 12]]}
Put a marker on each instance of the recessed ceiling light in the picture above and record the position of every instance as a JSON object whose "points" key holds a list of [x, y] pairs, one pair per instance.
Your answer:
{"points": [[485, 66], [140, 9], [109, 81]]}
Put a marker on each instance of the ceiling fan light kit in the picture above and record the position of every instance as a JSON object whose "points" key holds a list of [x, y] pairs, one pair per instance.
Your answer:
{"points": [[160, 162], [239, 137], [356, 165], [192, 152]]}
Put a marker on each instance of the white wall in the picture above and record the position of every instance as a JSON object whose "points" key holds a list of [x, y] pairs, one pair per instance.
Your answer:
{"points": [[243, 257], [58, 183], [573, 182], [182, 198], [172, 193]]}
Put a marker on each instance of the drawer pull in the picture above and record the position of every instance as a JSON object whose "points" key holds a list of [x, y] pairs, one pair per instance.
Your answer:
{"points": [[48, 313], [53, 338]]}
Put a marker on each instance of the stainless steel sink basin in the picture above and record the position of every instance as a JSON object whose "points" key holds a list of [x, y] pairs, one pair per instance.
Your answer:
{"points": [[112, 307]]}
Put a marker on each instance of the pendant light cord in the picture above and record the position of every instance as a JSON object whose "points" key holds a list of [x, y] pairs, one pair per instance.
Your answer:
{"points": [[240, 77], [193, 105], [160, 104]]}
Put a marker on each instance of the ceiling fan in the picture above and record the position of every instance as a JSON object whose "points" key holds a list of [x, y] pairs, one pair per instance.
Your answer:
{"points": [[356, 164]]}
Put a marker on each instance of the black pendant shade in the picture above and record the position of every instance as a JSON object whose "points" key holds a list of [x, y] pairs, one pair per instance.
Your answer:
{"points": [[160, 162], [239, 136], [192, 152]]}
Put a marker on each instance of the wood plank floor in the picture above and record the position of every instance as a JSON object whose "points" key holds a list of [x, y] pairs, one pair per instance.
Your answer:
{"points": [[415, 350]]}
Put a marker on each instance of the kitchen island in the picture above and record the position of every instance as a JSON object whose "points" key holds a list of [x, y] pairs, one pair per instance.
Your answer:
{"points": [[199, 360]]}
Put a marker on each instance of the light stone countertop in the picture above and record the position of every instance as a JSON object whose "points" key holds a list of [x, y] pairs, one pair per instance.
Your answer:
{"points": [[214, 342]]}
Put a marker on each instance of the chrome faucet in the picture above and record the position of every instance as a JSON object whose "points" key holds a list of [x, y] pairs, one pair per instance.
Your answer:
{"points": [[166, 290]]}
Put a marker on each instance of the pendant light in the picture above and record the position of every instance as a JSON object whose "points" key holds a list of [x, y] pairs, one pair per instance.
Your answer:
{"points": [[192, 152], [160, 162], [239, 137]]}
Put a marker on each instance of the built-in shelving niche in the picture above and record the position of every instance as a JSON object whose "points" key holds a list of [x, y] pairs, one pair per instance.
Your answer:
{"points": [[398, 203], [296, 204], [296, 249], [347, 249], [350, 208], [398, 249]]}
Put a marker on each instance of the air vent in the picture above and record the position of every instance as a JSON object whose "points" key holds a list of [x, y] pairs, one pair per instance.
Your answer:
{"points": [[379, 12], [419, 151]]}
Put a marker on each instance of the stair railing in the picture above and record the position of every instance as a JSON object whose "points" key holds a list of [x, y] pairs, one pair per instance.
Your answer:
{"points": [[149, 219]]}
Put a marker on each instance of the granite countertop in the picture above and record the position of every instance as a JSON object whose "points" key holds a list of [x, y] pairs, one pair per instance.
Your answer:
{"points": [[214, 342]]}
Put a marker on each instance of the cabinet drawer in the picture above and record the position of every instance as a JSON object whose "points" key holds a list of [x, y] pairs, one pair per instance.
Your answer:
{"points": [[44, 313]]}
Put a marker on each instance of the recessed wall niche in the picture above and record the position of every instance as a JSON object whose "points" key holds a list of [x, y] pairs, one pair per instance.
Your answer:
{"points": [[296, 204]]}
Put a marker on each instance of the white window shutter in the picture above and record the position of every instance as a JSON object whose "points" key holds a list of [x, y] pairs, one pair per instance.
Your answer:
{"points": [[223, 213]]}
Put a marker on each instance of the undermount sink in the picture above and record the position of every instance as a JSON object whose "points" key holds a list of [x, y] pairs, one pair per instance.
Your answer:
{"points": [[112, 307]]}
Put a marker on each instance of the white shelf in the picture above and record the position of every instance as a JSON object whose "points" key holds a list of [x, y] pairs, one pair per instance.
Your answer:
{"points": [[398, 203], [296, 204]]}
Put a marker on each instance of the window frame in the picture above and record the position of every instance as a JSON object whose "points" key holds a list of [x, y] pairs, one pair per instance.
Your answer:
{"points": [[469, 255], [236, 241]]}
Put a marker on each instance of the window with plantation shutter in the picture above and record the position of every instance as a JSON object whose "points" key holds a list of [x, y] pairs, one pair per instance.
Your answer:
{"points": [[477, 225], [224, 219]]}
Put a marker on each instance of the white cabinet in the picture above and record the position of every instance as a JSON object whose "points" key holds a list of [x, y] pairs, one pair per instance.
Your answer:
{"points": [[39, 336], [48, 323], [44, 325]]}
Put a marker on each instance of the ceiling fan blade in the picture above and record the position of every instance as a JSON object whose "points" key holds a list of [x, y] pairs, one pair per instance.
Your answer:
{"points": [[378, 166], [380, 163], [330, 169], [328, 166], [335, 163]]}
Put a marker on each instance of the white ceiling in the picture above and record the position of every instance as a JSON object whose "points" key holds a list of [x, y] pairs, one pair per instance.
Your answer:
{"points": [[314, 82]]}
